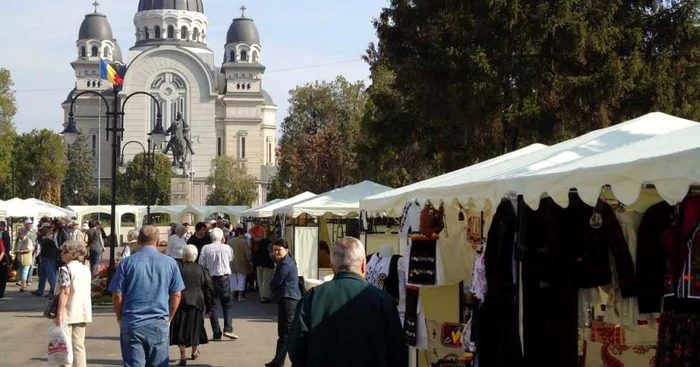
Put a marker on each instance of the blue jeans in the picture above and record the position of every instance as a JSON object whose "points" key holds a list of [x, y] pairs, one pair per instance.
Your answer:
{"points": [[24, 273], [146, 345], [223, 298], [47, 271], [95, 261]]}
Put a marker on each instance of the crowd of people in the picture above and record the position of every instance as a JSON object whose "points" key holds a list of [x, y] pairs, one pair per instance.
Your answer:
{"points": [[163, 299]]}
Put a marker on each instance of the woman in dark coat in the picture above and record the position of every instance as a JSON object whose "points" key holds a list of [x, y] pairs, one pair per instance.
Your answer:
{"points": [[187, 327]]}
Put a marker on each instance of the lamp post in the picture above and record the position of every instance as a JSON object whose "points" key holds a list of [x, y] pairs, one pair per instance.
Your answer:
{"points": [[75, 194], [148, 167], [115, 125]]}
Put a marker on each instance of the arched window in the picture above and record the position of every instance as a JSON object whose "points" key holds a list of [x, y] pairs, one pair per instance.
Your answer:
{"points": [[183, 32], [83, 52], [232, 56], [157, 32], [171, 31], [105, 53], [255, 56], [244, 55], [145, 33], [95, 52], [195, 34]]}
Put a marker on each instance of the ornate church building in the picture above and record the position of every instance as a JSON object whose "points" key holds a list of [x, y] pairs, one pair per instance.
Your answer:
{"points": [[222, 101]]}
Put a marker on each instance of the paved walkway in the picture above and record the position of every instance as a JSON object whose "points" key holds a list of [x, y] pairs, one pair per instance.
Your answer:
{"points": [[23, 335]]}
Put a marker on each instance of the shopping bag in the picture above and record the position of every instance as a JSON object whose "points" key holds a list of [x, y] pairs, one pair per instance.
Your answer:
{"points": [[60, 350]]}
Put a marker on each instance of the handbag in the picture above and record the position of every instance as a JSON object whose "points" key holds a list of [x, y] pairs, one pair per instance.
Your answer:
{"points": [[51, 310], [432, 220]]}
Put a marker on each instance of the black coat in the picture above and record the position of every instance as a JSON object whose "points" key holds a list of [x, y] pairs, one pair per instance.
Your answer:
{"points": [[199, 290]]}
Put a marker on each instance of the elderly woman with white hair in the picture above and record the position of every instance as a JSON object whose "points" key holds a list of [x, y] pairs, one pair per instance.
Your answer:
{"points": [[187, 327], [176, 243], [73, 288]]}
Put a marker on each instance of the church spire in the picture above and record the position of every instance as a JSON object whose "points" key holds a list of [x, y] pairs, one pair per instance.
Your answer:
{"points": [[243, 9], [96, 4]]}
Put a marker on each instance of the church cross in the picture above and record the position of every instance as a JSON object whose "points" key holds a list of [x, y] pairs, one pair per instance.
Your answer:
{"points": [[96, 4], [243, 9]]}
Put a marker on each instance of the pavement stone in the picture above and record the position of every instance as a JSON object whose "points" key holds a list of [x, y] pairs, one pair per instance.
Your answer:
{"points": [[24, 335]]}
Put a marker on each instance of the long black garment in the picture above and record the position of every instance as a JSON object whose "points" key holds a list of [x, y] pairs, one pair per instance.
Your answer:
{"points": [[499, 339], [549, 296]]}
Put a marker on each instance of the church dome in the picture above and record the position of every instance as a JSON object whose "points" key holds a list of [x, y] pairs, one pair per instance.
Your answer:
{"points": [[95, 26], [243, 30], [117, 53], [189, 5]]}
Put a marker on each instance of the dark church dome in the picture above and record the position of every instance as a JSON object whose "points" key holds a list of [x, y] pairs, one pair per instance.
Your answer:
{"points": [[95, 26], [243, 30], [190, 5]]}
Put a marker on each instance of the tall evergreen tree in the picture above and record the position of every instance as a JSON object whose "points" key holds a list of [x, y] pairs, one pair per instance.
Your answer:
{"points": [[456, 82], [78, 186]]}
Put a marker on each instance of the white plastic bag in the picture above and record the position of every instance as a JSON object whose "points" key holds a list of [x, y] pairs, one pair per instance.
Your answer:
{"points": [[60, 350]]}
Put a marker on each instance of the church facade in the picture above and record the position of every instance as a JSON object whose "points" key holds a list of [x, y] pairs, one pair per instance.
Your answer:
{"points": [[223, 101]]}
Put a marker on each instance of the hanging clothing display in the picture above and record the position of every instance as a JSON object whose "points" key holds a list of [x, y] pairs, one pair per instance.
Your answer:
{"points": [[410, 219], [444, 344], [651, 257], [382, 272], [679, 330], [423, 261], [415, 331], [620, 355], [499, 339], [550, 298]]}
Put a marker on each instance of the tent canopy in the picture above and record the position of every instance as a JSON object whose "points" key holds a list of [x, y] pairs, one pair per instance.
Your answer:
{"points": [[392, 202], [594, 150], [341, 202], [248, 212], [266, 211], [669, 162], [56, 211], [17, 207]]}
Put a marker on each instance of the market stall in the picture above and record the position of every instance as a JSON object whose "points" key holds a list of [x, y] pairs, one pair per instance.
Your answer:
{"points": [[342, 203], [655, 148]]}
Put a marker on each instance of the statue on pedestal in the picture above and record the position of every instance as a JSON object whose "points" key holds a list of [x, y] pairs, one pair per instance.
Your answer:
{"points": [[179, 141]]}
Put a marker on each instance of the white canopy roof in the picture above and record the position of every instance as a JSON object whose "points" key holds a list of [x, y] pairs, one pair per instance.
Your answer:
{"points": [[392, 202], [624, 143], [342, 202], [56, 211], [248, 212], [22, 208], [266, 210], [670, 162]]}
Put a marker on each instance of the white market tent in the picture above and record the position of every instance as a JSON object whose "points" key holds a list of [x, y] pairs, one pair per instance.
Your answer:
{"points": [[670, 162], [341, 202], [393, 201], [27, 208], [266, 211], [633, 138], [56, 211], [248, 212], [139, 211]]}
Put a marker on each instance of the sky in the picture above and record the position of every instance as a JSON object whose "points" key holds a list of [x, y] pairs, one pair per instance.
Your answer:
{"points": [[302, 41]]}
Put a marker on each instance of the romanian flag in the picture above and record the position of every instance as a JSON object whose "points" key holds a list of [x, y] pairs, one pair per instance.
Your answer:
{"points": [[108, 72]]}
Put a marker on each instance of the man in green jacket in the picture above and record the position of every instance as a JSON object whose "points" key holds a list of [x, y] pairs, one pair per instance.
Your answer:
{"points": [[347, 321]]}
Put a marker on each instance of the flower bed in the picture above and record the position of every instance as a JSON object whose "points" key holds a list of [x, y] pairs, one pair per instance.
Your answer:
{"points": [[99, 284]]}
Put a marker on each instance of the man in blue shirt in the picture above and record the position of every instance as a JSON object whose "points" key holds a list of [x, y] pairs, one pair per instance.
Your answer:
{"points": [[146, 293]]}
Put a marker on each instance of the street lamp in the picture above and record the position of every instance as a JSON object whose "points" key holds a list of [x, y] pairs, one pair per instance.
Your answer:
{"points": [[32, 181], [115, 125], [288, 183], [148, 163]]}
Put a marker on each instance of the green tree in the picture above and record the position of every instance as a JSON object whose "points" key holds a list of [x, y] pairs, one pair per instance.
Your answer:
{"points": [[456, 82], [8, 135], [80, 176], [137, 187], [232, 185], [320, 135], [41, 157]]}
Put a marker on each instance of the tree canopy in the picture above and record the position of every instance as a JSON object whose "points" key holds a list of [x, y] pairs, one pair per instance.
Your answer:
{"points": [[8, 135], [231, 184], [137, 187], [78, 186], [40, 157], [456, 82], [320, 135]]}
